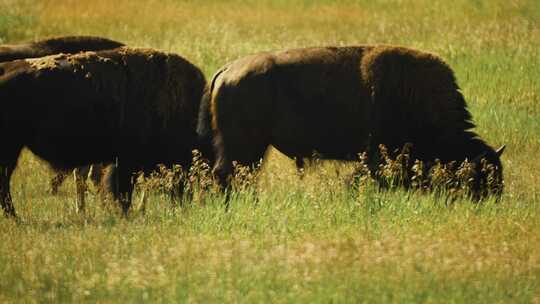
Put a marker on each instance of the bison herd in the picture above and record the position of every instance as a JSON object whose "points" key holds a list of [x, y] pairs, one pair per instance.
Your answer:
{"points": [[77, 102]]}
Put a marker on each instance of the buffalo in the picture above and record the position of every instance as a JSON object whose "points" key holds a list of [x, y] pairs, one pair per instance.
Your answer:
{"points": [[338, 102], [66, 45], [140, 105]]}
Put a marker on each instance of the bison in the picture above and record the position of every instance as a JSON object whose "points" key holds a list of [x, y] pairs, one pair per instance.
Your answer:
{"points": [[338, 102], [57, 45], [140, 105]]}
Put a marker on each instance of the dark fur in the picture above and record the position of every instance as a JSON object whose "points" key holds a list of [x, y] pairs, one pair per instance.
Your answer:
{"points": [[339, 102], [140, 105], [57, 45]]}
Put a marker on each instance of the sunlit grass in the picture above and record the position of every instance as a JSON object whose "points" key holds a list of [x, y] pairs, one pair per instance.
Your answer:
{"points": [[309, 240]]}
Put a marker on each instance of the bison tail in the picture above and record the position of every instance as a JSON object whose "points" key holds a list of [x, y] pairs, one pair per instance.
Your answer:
{"points": [[204, 122], [204, 127]]}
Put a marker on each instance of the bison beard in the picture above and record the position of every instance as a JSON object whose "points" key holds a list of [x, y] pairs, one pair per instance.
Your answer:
{"points": [[340, 102], [140, 106]]}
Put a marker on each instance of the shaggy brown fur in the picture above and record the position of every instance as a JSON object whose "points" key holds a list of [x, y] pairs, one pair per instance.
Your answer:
{"points": [[57, 45], [51, 46], [139, 104], [339, 102]]}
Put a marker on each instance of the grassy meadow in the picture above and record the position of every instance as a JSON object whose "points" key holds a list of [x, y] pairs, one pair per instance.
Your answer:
{"points": [[298, 241]]}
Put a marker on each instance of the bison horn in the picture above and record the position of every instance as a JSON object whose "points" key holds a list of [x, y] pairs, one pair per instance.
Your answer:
{"points": [[483, 154], [500, 150]]}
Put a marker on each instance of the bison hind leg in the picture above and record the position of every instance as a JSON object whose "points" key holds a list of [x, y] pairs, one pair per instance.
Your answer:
{"points": [[8, 161], [242, 150], [300, 166], [5, 193]]}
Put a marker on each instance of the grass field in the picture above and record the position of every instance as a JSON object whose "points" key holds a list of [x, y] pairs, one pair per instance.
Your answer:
{"points": [[310, 240]]}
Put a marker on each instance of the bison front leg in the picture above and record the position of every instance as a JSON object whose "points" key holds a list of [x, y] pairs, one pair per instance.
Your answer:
{"points": [[5, 194], [300, 164], [8, 161], [125, 191], [118, 181]]}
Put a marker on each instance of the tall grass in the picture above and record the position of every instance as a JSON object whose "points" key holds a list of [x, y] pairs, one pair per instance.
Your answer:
{"points": [[309, 240]]}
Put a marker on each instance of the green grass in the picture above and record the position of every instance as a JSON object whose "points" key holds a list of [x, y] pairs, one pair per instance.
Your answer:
{"points": [[309, 240]]}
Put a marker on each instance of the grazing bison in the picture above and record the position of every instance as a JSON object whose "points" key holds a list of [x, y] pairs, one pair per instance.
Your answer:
{"points": [[339, 101], [51, 46], [57, 45], [140, 105]]}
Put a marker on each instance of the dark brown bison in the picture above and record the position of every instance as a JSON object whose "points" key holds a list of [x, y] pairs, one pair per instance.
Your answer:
{"points": [[339, 101], [66, 45], [57, 45], [140, 105]]}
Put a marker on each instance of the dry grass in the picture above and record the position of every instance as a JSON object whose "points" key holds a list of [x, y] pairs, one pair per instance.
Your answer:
{"points": [[309, 240]]}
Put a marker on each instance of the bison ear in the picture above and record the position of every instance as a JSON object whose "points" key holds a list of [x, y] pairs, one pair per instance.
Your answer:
{"points": [[500, 150]]}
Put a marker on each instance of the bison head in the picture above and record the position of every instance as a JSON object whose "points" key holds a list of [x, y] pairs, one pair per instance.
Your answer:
{"points": [[487, 175]]}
